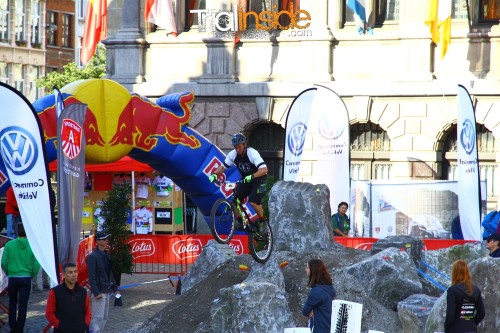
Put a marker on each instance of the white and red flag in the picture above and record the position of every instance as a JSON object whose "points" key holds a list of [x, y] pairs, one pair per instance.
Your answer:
{"points": [[161, 13]]}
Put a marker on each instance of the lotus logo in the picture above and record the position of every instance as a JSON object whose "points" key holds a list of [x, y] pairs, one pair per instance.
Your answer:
{"points": [[18, 149], [364, 246], [468, 136], [237, 246], [190, 248], [296, 138], [142, 247], [329, 129]]}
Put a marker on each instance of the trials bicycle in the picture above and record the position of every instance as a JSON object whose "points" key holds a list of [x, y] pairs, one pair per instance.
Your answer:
{"points": [[224, 220]]}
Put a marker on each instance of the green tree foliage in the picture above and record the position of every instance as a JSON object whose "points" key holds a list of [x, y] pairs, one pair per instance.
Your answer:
{"points": [[95, 69], [114, 212]]}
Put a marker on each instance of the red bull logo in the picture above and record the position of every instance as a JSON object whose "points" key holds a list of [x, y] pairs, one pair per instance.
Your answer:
{"points": [[142, 122], [117, 121], [48, 118]]}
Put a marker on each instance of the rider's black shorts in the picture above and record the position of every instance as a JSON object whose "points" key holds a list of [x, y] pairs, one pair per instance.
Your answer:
{"points": [[254, 190]]}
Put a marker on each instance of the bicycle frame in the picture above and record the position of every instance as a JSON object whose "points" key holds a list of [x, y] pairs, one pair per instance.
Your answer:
{"points": [[238, 205], [260, 245]]}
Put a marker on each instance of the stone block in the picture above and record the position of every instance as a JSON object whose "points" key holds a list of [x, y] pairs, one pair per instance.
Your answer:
{"points": [[219, 109], [412, 126]]}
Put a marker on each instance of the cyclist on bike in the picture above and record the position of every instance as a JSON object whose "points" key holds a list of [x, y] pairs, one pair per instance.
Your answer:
{"points": [[253, 171]]}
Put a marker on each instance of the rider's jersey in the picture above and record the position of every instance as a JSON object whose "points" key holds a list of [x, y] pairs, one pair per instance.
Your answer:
{"points": [[246, 164]]}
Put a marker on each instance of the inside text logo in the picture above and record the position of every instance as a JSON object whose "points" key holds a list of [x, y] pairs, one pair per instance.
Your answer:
{"points": [[292, 20]]}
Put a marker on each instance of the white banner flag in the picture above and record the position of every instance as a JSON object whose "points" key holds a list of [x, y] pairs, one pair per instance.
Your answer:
{"points": [[326, 155], [23, 154], [295, 132], [469, 197]]}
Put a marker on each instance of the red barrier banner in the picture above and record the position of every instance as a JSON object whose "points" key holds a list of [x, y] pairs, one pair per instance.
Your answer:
{"points": [[86, 247], [160, 249], [176, 249], [365, 243], [360, 243]]}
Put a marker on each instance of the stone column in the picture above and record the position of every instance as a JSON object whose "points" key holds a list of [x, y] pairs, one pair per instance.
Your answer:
{"points": [[125, 50]]}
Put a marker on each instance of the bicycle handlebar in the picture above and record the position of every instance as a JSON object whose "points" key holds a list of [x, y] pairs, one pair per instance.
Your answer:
{"points": [[228, 183]]}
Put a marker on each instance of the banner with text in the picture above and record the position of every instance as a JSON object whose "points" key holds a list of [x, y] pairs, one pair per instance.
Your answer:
{"points": [[469, 197], [295, 133], [327, 161], [70, 176], [23, 154]]}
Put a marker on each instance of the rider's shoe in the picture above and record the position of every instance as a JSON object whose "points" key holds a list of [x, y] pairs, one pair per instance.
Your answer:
{"points": [[263, 228]]}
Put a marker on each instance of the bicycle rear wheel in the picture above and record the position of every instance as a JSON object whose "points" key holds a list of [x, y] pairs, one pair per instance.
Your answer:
{"points": [[222, 221], [261, 247]]}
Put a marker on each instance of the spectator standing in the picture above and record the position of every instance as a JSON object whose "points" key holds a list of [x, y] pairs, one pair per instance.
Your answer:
{"points": [[464, 304], [11, 213], [493, 245], [318, 306], [340, 221], [20, 265], [68, 305], [101, 282], [456, 228]]}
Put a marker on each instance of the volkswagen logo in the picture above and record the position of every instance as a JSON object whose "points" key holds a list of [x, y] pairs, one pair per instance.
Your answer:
{"points": [[329, 129], [296, 138], [468, 136], [18, 149]]}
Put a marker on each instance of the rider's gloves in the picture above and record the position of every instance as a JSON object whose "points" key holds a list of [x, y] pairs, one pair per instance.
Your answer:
{"points": [[212, 178], [248, 178]]}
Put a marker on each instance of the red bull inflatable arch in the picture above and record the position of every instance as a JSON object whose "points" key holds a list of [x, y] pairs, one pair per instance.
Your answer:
{"points": [[119, 123]]}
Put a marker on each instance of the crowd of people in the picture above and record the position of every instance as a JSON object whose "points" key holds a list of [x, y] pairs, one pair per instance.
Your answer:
{"points": [[69, 308]]}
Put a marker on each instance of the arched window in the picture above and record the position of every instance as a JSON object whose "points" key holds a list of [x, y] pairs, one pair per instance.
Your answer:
{"points": [[488, 167], [268, 139], [370, 149]]}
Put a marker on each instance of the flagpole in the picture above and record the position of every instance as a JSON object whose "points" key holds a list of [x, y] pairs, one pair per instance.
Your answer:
{"points": [[468, 15], [59, 104]]}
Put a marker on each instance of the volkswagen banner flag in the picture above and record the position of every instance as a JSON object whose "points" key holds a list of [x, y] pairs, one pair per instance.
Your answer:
{"points": [[469, 197], [23, 155]]}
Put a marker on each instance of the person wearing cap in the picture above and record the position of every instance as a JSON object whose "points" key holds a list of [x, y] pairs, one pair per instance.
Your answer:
{"points": [[493, 245], [20, 265], [101, 282], [253, 171]]}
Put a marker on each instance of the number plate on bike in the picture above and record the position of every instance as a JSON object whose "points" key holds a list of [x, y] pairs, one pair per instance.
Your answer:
{"points": [[230, 186]]}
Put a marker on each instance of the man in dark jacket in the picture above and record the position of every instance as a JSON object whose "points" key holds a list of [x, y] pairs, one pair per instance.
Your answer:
{"points": [[68, 305], [101, 282]]}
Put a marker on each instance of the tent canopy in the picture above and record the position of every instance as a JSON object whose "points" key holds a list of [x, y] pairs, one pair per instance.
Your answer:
{"points": [[125, 164]]}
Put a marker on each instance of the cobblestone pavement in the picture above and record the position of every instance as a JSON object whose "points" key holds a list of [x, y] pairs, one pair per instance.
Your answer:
{"points": [[143, 296]]}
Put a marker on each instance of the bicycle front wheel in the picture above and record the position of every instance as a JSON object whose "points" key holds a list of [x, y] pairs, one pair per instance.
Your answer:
{"points": [[222, 220], [261, 247]]}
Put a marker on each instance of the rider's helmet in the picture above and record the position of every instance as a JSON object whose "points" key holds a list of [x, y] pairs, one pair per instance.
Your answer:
{"points": [[238, 138]]}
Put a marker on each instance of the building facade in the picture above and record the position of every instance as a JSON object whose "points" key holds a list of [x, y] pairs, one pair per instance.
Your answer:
{"points": [[61, 39], [36, 37], [22, 47], [400, 94]]}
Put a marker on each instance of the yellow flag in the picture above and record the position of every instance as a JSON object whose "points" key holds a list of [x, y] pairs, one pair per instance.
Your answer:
{"points": [[438, 18]]}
